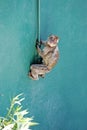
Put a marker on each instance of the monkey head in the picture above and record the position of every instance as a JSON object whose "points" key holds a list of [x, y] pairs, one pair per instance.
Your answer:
{"points": [[52, 40]]}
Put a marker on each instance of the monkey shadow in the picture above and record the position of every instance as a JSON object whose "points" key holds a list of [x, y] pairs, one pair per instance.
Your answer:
{"points": [[35, 60]]}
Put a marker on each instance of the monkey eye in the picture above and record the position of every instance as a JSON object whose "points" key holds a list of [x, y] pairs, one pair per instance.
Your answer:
{"points": [[51, 38]]}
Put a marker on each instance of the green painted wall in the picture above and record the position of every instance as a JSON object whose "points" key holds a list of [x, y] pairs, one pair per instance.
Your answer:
{"points": [[58, 102]]}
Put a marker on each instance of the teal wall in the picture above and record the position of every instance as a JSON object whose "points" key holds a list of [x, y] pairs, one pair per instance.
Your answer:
{"points": [[58, 102]]}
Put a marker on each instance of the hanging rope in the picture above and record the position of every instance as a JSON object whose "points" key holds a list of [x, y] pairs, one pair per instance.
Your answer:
{"points": [[38, 20], [37, 58]]}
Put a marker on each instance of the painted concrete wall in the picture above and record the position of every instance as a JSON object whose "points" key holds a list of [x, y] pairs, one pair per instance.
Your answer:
{"points": [[58, 102]]}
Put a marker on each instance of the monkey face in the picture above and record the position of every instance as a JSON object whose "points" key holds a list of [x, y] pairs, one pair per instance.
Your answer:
{"points": [[52, 40]]}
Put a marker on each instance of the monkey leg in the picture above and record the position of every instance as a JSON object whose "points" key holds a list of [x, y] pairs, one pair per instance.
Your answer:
{"points": [[40, 52], [37, 70], [33, 74]]}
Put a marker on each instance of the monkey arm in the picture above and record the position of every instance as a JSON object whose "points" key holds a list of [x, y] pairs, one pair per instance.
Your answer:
{"points": [[39, 43], [40, 52]]}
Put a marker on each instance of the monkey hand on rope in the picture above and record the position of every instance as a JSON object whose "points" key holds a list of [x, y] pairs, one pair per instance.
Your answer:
{"points": [[38, 43]]}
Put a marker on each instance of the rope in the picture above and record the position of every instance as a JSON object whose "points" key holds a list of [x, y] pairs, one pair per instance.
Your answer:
{"points": [[37, 58], [38, 20]]}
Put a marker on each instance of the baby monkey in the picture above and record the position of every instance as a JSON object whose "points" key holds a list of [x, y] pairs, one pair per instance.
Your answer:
{"points": [[49, 55]]}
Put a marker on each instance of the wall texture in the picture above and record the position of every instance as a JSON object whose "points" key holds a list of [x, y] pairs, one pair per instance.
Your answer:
{"points": [[59, 101]]}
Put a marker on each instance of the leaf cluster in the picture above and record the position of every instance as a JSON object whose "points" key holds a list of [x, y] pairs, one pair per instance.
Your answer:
{"points": [[16, 118]]}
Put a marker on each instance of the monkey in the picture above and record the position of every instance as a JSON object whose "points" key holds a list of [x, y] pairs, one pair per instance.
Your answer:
{"points": [[49, 55]]}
